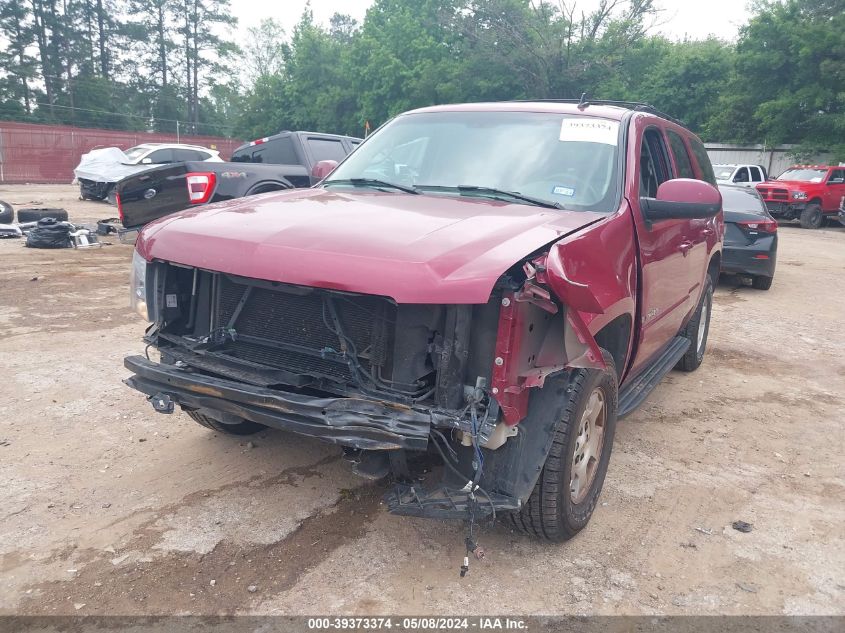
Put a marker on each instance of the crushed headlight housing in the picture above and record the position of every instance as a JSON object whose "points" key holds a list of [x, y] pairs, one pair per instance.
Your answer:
{"points": [[799, 195], [138, 286]]}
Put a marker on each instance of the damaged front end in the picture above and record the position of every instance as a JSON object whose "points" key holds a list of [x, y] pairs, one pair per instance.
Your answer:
{"points": [[383, 380]]}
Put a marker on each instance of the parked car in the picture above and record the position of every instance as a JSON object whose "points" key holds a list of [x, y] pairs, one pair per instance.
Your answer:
{"points": [[100, 169], [494, 283], [283, 161], [807, 193], [751, 236], [740, 175]]}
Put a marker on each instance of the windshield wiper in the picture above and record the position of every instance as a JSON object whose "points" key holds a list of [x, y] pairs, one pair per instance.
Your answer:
{"points": [[371, 182], [499, 194]]}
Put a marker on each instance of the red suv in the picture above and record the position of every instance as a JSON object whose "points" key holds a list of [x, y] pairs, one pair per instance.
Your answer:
{"points": [[493, 284], [808, 193]]}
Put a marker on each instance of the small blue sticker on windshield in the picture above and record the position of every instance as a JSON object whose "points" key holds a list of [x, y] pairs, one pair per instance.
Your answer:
{"points": [[563, 191]]}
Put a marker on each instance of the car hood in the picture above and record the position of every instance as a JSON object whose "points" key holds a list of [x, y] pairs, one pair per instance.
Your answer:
{"points": [[413, 248]]}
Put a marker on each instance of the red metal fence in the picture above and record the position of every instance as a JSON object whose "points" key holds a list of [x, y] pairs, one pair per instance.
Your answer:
{"points": [[48, 153]]}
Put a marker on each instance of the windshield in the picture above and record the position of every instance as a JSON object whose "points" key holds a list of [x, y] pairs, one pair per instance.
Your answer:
{"points": [[546, 158], [723, 172], [803, 175], [134, 153]]}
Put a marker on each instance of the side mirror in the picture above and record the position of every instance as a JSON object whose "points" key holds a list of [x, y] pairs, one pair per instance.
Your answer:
{"points": [[682, 199], [322, 168], [147, 161]]}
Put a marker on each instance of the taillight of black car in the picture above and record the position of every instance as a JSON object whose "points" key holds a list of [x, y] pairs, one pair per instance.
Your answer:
{"points": [[200, 186], [764, 225]]}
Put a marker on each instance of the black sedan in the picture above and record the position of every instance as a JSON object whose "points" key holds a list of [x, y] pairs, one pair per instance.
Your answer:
{"points": [[751, 236]]}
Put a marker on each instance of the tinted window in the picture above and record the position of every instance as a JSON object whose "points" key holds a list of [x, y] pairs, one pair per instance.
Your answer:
{"points": [[187, 154], [741, 175], [679, 151], [703, 161], [276, 151], [837, 176], [742, 199], [326, 149], [161, 156], [654, 163], [755, 174]]}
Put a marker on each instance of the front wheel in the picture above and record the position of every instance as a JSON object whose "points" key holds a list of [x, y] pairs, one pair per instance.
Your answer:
{"points": [[811, 217], [244, 427], [569, 485]]}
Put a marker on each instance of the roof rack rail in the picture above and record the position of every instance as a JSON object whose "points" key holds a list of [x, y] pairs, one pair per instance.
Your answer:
{"points": [[584, 103]]}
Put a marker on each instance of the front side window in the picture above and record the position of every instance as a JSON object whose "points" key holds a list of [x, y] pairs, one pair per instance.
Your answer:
{"points": [[837, 177], [161, 156], [654, 164], [742, 175], [134, 153], [326, 149], [554, 159]]}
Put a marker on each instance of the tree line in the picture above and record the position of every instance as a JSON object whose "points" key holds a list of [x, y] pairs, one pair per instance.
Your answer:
{"points": [[152, 62]]}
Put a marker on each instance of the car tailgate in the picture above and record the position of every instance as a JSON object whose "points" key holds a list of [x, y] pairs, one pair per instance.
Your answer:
{"points": [[153, 194]]}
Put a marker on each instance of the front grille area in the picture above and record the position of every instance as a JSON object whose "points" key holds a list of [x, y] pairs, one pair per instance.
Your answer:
{"points": [[774, 193], [291, 328]]}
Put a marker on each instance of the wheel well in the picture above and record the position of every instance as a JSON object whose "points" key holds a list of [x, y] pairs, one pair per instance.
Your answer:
{"points": [[266, 188], [714, 268], [817, 201], [614, 337]]}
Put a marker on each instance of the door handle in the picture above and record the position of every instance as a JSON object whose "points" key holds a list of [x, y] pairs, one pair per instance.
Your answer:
{"points": [[684, 247], [708, 232]]}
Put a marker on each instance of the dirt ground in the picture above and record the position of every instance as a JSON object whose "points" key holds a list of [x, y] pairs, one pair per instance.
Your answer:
{"points": [[109, 508]]}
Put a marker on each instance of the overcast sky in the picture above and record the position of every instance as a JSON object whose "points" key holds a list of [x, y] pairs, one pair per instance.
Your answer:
{"points": [[681, 18]]}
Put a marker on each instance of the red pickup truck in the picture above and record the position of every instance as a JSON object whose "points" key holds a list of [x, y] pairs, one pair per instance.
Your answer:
{"points": [[807, 193], [494, 284]]}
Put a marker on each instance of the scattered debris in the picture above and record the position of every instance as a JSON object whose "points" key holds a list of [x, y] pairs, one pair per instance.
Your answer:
{"points": [[706, 531], [117, 561], [252, 589], [689, 545], [107, 505], [142, 439], [78, 605], [212, 582], [250, 445], [747, 587], [742, 526]]}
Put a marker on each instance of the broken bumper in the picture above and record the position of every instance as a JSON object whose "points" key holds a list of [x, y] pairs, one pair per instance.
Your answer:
{"points": [[357, 422]]}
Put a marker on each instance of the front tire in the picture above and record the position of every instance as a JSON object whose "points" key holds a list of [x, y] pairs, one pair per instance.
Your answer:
{"points": [[244, 427], [811, 217], [569, 485], [697, 330]]}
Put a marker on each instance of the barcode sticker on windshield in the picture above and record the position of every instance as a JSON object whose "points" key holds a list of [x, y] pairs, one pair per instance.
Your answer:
{"points": [[587, 130]]}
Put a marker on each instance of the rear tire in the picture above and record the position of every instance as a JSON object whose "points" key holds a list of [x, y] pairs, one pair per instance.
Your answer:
{"points": [[697, 330], [811, 217], [564, 496], [33, 215], [245, 427], [759, 282]]}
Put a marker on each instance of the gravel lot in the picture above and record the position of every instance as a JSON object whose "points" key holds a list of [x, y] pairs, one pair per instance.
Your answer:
{"points": [[109, 508]]}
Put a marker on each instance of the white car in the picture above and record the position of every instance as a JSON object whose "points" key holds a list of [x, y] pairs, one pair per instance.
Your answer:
{"points": [[100, 169], [162, 153], [740, 175]]}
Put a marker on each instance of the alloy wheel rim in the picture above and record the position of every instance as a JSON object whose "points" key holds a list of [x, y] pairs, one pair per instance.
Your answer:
{"points": [[588, 446]]}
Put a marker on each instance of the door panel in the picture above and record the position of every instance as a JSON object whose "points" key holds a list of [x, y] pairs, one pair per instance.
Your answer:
{"points": [[669, 251]]}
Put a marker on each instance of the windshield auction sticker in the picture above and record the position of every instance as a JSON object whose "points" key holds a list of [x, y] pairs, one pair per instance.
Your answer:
{"points": [[587, 130]]}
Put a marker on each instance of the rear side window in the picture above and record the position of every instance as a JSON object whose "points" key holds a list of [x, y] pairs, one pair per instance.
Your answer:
{"points": [[180, 155], [703, 160], [276, 151], [161, 156], [326, 149], [756, 176], [679, 151], [742, 199]]}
